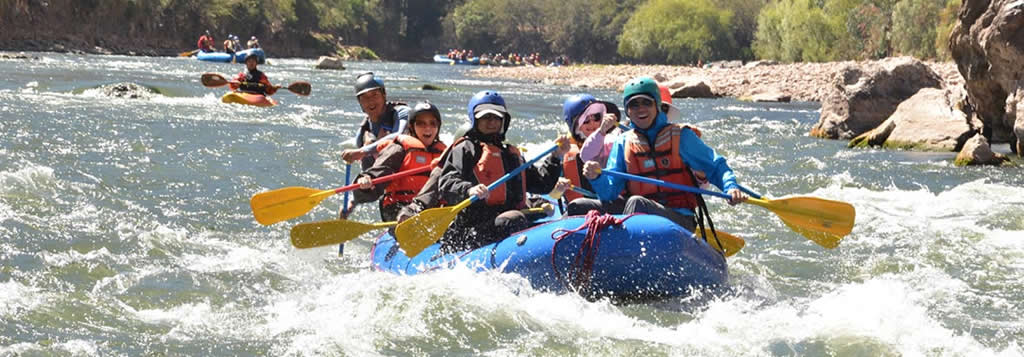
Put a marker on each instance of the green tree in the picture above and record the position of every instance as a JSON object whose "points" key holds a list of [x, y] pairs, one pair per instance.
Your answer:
{"points": [[947, 19], [678, 31], [914, 27], [796, 30]]}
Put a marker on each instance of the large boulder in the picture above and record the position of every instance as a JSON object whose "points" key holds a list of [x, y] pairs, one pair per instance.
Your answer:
{"points": [[688, 87], [987, 44], [930, 120], [977, 152], [865, 95], [127, 90], [329, 62]]}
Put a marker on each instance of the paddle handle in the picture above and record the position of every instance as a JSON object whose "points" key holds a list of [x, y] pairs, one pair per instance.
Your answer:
{"points": [[385, 178], [518, 170]]}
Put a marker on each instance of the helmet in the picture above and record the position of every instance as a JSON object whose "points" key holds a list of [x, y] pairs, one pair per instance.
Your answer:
{"points": [[488, 97], [641, 85], [574, 106], [366, 82], [420, 108]]}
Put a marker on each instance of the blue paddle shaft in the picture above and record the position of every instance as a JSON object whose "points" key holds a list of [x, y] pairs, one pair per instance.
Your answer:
{"points": [[519, 169], [665, 184]]}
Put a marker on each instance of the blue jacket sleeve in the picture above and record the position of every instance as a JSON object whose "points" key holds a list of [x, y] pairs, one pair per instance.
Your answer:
{"points": [[702, 157], [608, 187]]}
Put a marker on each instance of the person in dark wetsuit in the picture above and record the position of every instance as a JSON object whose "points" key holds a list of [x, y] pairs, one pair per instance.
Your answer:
{"points": [[384, 121]]}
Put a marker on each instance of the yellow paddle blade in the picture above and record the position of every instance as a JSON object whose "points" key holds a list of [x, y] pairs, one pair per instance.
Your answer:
{"points": [[823, 221], [188, 53], [285, 203], [730, 244], [420, 231], [324, 233]]}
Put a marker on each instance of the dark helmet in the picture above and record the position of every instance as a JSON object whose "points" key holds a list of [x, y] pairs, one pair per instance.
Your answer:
{"points": [[420, 108], [574, 106], [492, 102], [366, 82]]}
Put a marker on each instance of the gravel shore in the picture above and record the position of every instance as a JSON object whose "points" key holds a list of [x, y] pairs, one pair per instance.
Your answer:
{"points": [[801, 81]]}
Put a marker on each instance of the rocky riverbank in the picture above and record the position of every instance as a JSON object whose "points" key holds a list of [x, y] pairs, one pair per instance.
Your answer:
{"points": [[800, 81]]}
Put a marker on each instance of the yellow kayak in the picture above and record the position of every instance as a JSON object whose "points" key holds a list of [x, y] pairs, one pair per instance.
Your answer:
{"points": [[258, 100]]}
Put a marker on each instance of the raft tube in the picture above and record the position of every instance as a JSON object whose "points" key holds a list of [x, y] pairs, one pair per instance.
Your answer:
{"points": [[646, 258], [238, 57]]}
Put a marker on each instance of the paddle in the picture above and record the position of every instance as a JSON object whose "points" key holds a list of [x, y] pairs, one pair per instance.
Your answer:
{"points": [[188, 53], [286, 203], [324, 233], [823, 221], [425, 228], [217, 80]]}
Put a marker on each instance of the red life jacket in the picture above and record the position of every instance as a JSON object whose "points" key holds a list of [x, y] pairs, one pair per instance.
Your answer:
{"points": [[403, 190], [491, 167], [663, 163], [571, 169]]}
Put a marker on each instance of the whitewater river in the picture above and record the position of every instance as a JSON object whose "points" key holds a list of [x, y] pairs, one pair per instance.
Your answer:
{"points": [[125, 229]]}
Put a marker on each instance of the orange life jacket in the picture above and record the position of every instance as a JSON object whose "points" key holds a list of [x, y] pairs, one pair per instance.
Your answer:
{"points": [[663, 163], [571, 166], [403, 190], [491, 167]]}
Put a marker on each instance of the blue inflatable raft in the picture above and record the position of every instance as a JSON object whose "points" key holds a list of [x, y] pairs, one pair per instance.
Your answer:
{"points": [[444, 59], [238, 57], [645, 258]]}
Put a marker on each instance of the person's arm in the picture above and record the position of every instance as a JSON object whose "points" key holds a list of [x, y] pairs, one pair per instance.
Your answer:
{"points": [[456, 180], [268, 87], [541, 179], [591, 148], [699, 156], [389, 161], [608, 187]]}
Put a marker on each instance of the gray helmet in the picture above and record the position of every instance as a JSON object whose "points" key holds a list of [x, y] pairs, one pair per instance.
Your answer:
{"points": [[366, 82]]}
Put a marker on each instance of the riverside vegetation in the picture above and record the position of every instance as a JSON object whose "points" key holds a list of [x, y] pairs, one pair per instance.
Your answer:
{"points": [[600, 31]]}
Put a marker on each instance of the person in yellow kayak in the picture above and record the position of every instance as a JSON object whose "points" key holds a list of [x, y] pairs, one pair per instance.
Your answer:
{"points": [[482, 157], [252, 80], [661, 150], [418, 146]]}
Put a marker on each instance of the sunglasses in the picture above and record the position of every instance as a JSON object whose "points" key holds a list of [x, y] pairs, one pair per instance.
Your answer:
{"points": [[639, 102], [592, 118]]}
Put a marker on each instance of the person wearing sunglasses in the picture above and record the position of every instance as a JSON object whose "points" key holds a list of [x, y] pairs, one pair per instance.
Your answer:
{"points": [[661, 150], [593, 126]]}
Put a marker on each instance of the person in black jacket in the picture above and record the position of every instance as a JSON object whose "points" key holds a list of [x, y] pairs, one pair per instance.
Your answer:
{"points": [[481, 158]]}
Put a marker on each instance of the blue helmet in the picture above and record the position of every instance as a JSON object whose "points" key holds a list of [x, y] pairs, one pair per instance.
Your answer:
{"points": [[491, 102], [574, 106]]}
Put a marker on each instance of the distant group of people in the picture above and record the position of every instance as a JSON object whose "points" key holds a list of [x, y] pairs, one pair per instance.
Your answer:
{"points": [[231, 45], [511, 58]]}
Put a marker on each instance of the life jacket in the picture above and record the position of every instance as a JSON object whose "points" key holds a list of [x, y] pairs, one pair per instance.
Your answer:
{"points": [[388, 124], [572, 169], [403, 190], [490, 167], [662, 163], [253, 82]]}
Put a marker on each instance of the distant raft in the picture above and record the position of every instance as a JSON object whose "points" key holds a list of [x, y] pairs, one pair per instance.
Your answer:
{"points": [[645, 258], [238, 57], [258, 100]]}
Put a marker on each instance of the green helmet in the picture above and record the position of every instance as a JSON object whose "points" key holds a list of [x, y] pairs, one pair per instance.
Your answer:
{"points": [[641, 85]]}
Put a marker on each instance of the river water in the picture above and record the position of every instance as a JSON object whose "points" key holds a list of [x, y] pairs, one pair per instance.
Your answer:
{"points": [[125, 229]]}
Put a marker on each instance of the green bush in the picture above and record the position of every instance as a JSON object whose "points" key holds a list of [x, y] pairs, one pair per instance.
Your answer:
{"points": [[795, 30], [678, 32]]}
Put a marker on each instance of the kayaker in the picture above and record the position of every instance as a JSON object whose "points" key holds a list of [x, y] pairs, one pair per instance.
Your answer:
{"points": [[658, 149], [482, 158], [594, 126], [252, 80], [383, 121], [416, 147], [205, 42], [253, 43]]}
